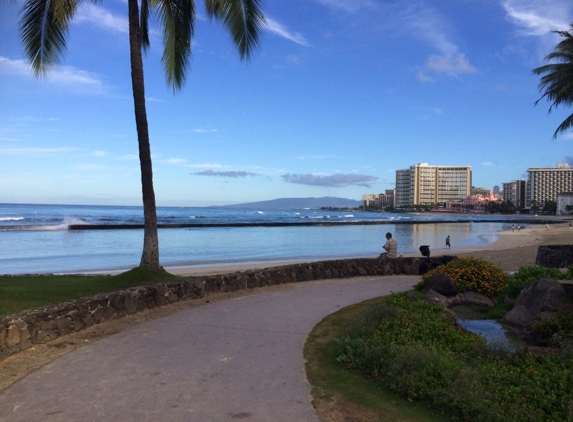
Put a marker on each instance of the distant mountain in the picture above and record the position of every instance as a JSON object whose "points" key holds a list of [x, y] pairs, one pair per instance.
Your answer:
{"points": [[300, 203]]}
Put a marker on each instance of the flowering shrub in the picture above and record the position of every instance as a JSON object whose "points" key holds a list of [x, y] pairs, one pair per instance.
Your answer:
{"points": [[471, 274]]}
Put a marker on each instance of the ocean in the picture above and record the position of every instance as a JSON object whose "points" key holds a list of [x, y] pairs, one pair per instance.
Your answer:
{"points": [[62, 239]]}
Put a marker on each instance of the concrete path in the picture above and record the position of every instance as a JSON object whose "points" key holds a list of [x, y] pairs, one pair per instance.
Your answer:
{"points": [[235, 359]]}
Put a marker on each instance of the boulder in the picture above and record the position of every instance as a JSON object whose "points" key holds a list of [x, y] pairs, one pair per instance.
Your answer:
{"points": [[439, 299], [538, 300], [441, 283], [555, 256], [476, 301]]}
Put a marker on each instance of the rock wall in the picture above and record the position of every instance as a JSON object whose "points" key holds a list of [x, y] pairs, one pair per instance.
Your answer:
{"points": [[554, 256], [20, 331]]}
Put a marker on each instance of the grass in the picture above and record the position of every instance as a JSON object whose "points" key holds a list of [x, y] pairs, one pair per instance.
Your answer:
{"points": [[19, 293], [342, 394], [412, 349]]}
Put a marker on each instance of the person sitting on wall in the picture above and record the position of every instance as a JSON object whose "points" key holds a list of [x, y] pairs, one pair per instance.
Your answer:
{"points": [[391, 247]]}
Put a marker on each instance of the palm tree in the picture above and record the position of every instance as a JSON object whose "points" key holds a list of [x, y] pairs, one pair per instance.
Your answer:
{"points": [[44, 27], [557, 82]]}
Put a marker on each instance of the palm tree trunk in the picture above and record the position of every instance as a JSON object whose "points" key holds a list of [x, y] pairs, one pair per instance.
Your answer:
{"points": [[150, 255]]}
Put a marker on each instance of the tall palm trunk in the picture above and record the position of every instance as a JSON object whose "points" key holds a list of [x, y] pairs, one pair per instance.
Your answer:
{"points": [[150, 255]]}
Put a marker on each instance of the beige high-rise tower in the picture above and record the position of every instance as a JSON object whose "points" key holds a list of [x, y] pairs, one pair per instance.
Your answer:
{"points": [[423, 184]]}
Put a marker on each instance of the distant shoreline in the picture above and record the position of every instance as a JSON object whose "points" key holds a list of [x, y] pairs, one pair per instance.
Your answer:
{"points": [[529, 220]]}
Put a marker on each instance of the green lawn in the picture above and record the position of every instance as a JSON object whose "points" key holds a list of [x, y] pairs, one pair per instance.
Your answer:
{"points": [[19, 293], [357, 398]]}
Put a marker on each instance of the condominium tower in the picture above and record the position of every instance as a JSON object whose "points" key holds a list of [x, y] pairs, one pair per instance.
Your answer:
{"points": [[546, 182], [423, 184], [516, 192]]}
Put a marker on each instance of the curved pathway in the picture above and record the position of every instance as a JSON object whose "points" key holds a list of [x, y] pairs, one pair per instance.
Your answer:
{"points": [[239, 359]]}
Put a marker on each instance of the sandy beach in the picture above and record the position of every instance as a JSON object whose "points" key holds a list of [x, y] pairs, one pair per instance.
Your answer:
{"points": [[512, 251]]}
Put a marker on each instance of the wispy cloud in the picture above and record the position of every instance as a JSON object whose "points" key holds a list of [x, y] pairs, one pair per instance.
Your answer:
{"points": [[229, 174], [537, 18], [102, 18], [488, 164], [199, 130], [353, 6], [316, 157], [99, 153], [455, 65], [279, 29], [333, 181], [87, 167], [66, 77], [35, 152], [176, 161], [429, 25], [206, 166]]}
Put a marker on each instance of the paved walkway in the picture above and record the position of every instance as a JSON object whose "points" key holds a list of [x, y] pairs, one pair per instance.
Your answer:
{"points": [[235, 359]]}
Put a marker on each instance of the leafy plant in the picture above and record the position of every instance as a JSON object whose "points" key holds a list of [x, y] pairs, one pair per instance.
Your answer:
{"points": [[559, 329], [471, 274], [414, 349], [527, 275]]}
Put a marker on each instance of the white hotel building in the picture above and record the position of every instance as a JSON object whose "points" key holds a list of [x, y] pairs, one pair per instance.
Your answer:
{"points": [[545, 183]]}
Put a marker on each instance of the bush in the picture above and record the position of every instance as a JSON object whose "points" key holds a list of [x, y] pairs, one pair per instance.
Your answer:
{"points": [[558, 329], [471, 274], [527, 275], [415, 350]]}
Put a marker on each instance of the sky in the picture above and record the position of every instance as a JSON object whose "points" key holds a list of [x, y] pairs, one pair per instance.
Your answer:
{"points": [[339, 96]]}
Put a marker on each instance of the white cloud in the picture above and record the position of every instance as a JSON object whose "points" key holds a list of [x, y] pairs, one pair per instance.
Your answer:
{"points": [[455, 65], [33, 151], [206, 166], [424, 77], [353, 6], [88, 167], [277, 28], [177, 161], [538, 17], [488, 164], [102, 18], [67, 77], [99, 153], [205, 130]]}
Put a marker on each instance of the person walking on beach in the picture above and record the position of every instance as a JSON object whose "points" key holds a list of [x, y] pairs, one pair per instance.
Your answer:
{"points": [[448, 242], [391, 247], [513, 227]]}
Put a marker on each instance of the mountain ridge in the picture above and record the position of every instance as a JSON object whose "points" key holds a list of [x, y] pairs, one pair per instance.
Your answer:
{"points": [[298, 203]]}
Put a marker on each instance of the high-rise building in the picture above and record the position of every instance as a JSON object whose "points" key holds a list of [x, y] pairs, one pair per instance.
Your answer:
{"points": [[546, 182], [402, 196], [516, 192], [423, 184]]}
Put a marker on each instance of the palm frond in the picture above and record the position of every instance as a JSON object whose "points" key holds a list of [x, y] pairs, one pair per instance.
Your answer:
{"points": [[144, 24], [43, 29], [177, 19], [556, 83], [244, 20]]}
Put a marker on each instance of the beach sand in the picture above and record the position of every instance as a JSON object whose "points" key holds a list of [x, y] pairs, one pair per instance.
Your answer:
{"points": [[512, 251]]}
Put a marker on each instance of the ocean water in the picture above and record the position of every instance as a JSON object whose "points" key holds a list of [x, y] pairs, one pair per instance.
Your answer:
{"points": [[38, 239]]}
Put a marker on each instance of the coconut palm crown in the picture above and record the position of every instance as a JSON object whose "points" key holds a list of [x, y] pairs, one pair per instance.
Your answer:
{"points": [[557, 80], [44, 28]]}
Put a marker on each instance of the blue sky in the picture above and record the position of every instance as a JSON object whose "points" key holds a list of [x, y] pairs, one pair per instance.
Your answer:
{"points": [[339, 96]]}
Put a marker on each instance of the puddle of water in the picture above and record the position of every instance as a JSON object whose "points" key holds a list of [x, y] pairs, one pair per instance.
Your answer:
{"points": [[494, 333]]}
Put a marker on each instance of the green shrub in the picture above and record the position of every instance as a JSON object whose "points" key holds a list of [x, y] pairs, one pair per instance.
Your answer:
{"points": [[415, 350], [559, 329], [471, 274], [527, 275]]}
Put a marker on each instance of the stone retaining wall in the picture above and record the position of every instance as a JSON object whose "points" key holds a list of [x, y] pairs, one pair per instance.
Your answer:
{"points": [[20, 331]]}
